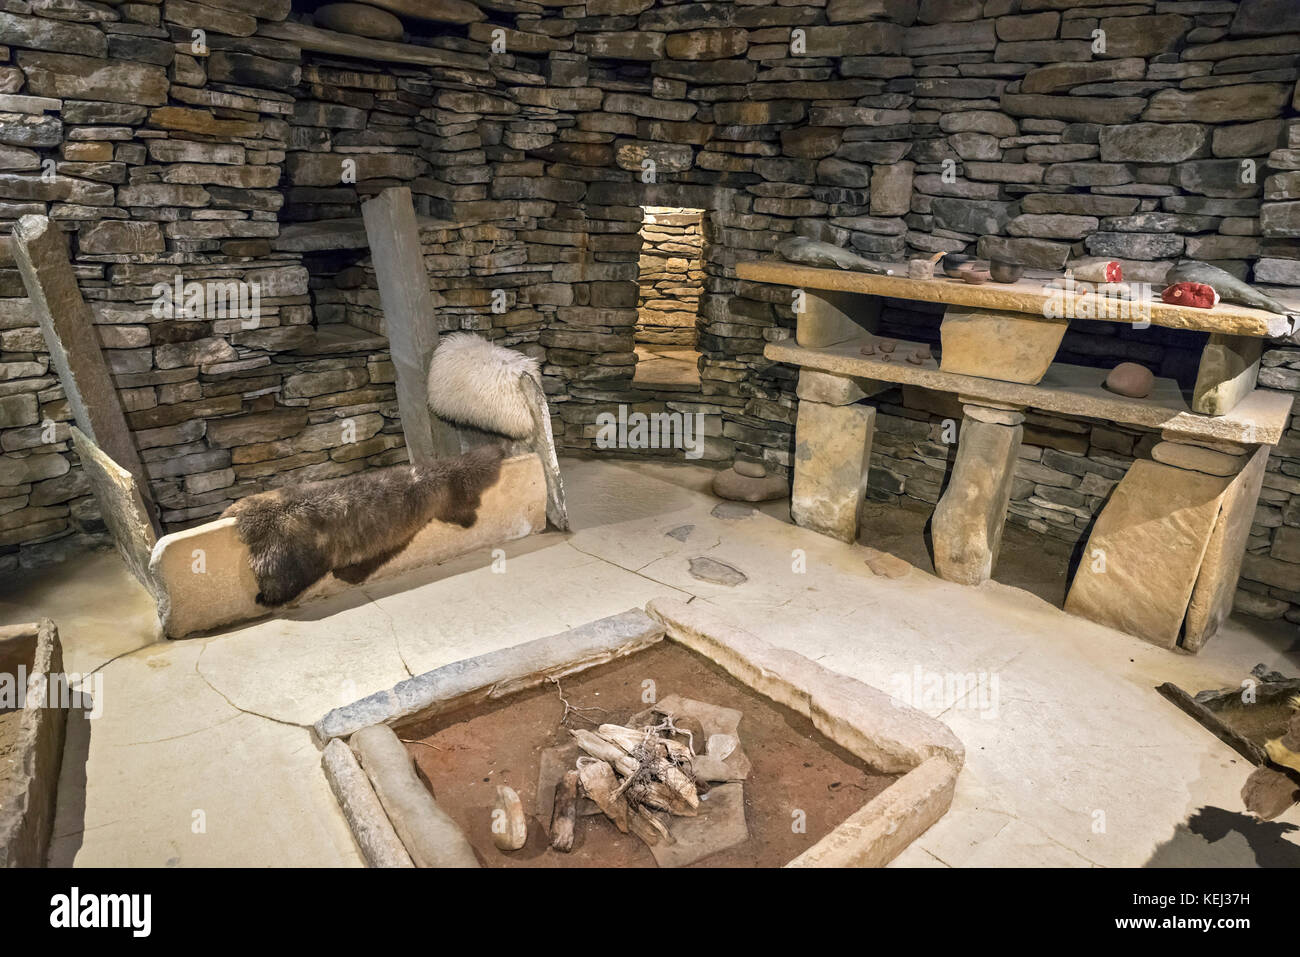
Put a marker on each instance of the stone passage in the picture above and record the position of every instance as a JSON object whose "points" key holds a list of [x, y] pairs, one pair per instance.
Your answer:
{"points": [[670, 277]]}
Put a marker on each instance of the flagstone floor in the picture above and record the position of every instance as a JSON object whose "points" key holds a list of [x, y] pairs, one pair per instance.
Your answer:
{"points": [[202, 754]]}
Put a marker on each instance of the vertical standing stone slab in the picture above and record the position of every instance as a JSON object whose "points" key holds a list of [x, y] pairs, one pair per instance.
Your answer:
{"points": [[67, 324], [829, 317], [1216, 583], [832, 455], [1146, 550], [1227, 374], [408, 316], [968, 521], [994, 344], [121, 506]]}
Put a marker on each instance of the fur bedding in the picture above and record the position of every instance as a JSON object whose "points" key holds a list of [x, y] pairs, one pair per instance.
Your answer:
{"points": [[473, 382], [352, 526]]}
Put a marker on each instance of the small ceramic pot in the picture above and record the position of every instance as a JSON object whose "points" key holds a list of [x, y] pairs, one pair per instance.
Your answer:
{"points": [[973, 274], [953, 262], [1003, 271], [920, 269]]}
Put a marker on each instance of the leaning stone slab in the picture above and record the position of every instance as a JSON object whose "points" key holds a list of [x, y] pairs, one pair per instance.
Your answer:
{"points": [[121, 505], [379, 843], [1216, 582], [29, 769], [832, 455], [496, 674], [69, 330], [968, 521], [1145, 552], [205, 581], [428, 833], [1012, 346]]}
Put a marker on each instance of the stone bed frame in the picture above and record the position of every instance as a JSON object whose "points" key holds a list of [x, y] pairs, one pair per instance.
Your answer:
{"points": [[223, 592], [397, 822], [27, 802], [1173, 535]]}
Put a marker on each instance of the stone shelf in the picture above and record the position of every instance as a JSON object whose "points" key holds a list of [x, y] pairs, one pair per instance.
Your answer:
{"points": [[364, 48], [336, 337], [1260, 417], [329, 234], [1025, 295]]}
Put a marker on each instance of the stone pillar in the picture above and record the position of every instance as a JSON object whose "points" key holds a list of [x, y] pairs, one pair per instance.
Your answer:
{"points": [[832, 455], [968, 521]]}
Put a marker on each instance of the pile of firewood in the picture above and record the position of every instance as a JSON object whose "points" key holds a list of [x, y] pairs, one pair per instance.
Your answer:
{"points": [[636, 776]]}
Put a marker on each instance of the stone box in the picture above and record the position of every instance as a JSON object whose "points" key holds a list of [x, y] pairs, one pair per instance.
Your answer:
{"points": [[879, 731]]}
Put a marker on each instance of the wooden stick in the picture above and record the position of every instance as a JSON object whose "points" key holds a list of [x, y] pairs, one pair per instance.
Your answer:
{"points": [[564, 817], [1248, 749]]}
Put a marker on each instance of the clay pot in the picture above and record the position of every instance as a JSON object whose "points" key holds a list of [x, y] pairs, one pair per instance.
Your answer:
{"points": [[973, 274], [952, 263], [920, 269], [1003, 271]]}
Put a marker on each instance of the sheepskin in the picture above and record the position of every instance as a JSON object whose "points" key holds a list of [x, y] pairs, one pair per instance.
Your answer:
{"points": [[473, 382], [298, 534]]}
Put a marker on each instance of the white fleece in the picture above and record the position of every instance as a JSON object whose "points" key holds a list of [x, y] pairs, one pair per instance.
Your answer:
{"points": [[473, 382]]}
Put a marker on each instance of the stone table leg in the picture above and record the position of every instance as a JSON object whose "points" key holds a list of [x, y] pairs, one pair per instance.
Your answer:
{"points": [[828, 317], [832, 456], [968, 521]]}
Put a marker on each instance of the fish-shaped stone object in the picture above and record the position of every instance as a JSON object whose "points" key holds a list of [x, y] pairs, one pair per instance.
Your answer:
{"points": [[811, 252], [1228, 286]]}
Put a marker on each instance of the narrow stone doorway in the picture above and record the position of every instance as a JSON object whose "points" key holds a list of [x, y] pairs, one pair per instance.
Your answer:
{"points": [[671, 277]]}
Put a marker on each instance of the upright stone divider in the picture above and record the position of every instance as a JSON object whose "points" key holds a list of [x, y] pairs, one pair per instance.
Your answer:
{"points": [[832, 455], [408, 317], [968, 521], [75, 352]]}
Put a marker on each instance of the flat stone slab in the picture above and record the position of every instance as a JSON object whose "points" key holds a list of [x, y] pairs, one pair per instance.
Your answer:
{"points": [[1260, 418], [1145, 552], [121, 506], [496, 674], [31, 746], [1024, 295], [205, 581], [1216, 583]]}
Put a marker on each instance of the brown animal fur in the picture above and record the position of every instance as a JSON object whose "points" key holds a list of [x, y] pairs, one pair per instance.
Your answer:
{"points": [[352, 526]]}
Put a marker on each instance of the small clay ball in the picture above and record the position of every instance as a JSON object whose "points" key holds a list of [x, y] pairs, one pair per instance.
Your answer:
{"points": [[1131, 379], [751, 468]]}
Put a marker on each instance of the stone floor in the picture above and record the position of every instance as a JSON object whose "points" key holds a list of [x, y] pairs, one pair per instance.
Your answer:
{"points": [[662, 368], [202, 756]]}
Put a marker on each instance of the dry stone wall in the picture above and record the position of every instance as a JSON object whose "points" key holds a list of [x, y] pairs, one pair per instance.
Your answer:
{"points": [[670, 276], [533, 133]]}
